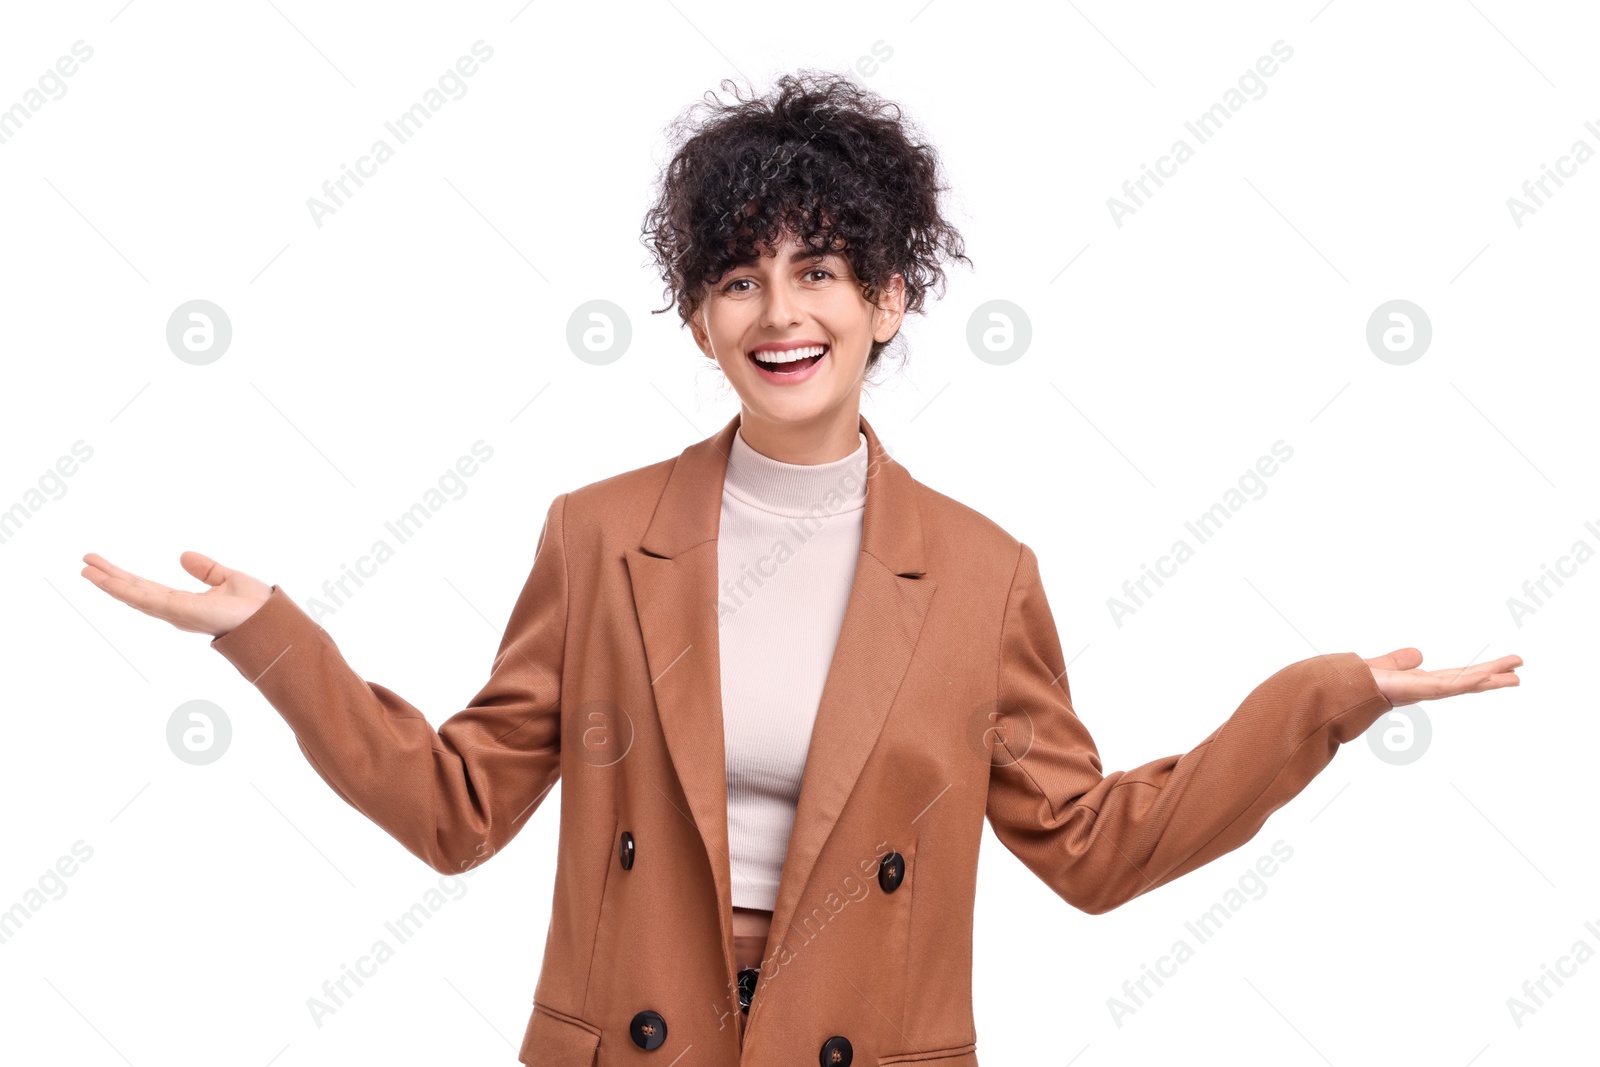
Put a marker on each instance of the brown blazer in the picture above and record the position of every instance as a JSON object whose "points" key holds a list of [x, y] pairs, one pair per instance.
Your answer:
{"points": [[946, 702]]}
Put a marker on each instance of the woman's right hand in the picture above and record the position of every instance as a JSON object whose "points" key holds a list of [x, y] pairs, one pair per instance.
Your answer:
{"points": [[233, 597]]}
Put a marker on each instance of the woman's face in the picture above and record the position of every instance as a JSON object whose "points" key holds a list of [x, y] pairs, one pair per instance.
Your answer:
{"points": [[795, 301]]}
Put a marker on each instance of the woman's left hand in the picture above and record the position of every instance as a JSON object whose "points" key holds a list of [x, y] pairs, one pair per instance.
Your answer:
{"points": [[1400, 681]]}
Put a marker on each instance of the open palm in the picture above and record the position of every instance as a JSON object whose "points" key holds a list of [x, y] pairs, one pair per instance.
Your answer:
{"points": [[1402, 683], [233, 597]]}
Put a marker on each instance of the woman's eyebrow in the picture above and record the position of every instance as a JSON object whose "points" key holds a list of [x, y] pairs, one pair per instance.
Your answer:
{"points": [[796, 256]]}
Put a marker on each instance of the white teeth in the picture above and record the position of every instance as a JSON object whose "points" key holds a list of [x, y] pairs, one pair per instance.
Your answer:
{"points": [[791, 355]]}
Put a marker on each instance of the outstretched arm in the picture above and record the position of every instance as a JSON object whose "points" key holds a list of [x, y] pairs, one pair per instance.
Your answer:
{"points": [[1099, 840], [453, 796]]}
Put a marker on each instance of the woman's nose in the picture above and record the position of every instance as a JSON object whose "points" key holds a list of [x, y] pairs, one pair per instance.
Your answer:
{"points": [[780, 309]]}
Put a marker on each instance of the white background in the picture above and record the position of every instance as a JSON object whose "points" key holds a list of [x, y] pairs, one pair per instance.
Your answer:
{"points": [[430, 311]]}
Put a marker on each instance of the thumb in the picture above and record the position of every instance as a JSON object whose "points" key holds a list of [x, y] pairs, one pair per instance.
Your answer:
{"points": [[204, 568], [1401, 659]]}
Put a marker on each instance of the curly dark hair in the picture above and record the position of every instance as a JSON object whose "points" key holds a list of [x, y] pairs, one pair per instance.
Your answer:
{"points": [[819, 155]]}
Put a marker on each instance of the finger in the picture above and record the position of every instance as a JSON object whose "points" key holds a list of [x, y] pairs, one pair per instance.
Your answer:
{"points": [[1499, 680], [1401, 659], [124, 585], [1473, 680], [99, 562], [204, 568], [152, 598], [1502, 665]]}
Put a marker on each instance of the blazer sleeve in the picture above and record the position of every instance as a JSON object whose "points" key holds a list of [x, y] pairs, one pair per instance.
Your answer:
{"points": [[1099, 840], [452, 796]]}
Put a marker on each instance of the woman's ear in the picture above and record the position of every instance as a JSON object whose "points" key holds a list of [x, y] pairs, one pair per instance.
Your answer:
{"points": [[890, 310], [697, 327]]}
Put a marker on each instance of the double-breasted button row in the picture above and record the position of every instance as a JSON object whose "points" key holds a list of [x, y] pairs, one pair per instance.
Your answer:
{"points": [[649, 1028], [836, 1051], [891, 869], [649, 1031]]}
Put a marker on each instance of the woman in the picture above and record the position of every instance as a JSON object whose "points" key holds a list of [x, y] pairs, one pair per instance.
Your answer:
{"points": [[777, 676]]}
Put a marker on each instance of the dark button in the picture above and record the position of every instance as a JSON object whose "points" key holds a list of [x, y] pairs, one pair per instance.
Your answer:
{"points": [[747, 986], [836, 1052], [625, 851], [649, 1030], [891, 870]]}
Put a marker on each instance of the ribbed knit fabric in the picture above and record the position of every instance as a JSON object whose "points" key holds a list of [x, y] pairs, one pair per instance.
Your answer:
{"points": [[786, 556]]}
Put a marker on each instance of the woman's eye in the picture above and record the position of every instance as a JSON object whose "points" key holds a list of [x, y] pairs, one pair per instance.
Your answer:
{"points": [[825, 272], [729, 288]]}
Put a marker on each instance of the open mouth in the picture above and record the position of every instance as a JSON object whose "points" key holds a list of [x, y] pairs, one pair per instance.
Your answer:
{"points": [[791, 361]]}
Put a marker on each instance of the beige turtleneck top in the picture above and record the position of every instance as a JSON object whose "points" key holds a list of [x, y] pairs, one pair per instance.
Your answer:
{"points": [[786, 557]]}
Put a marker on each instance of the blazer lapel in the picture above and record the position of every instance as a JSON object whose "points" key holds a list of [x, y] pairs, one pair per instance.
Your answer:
{"points": [[673, 574]]}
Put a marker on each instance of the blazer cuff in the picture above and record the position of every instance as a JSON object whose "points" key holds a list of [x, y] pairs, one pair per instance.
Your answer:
{"points": [[1363, 701], [255, 644]]}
